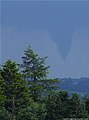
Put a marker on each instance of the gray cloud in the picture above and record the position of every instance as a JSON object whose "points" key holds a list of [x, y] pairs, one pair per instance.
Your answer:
{"points": [[78, 59], [15, 42]]}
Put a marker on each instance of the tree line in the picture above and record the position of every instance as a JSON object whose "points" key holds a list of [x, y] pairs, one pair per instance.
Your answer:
{"points": [[26, 92]]}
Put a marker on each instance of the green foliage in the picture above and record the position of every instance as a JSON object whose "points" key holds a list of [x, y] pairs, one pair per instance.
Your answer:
{"points": [[50, 86], [60, 106], [57, 106], [4, 114], [35, 72], [15, 87], [34, 112], [85, 101], [75, 105], [2, 96]]}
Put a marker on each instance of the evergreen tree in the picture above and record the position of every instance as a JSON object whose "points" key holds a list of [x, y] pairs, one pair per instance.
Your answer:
{"points": [[57, 106], [4, 114], [50, 86], [64, 105], [85, 102], [35, 111], [2, 96], [75, 105], [16, 89], [35, 72]]}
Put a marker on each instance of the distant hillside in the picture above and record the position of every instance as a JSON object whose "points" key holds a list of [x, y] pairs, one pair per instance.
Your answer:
{"points": [[78, 85]]}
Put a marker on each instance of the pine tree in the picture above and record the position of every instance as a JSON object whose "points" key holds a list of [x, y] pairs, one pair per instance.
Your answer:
{"points": [[35, 111], [4, 114], [2, 96], [75, 105], [57, 106], [15, 87], [35, 72], [85, 102]]}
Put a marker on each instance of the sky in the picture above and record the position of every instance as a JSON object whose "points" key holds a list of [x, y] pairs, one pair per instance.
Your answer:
{"points": [[57, 29]]}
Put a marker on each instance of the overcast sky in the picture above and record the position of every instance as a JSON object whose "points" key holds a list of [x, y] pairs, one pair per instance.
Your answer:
{"points": [[59, 30]]}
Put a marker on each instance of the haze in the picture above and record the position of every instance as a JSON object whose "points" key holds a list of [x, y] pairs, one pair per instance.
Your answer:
{"points": [[59, 30]]}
